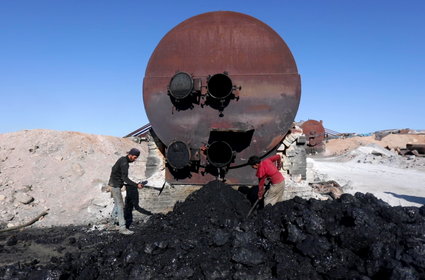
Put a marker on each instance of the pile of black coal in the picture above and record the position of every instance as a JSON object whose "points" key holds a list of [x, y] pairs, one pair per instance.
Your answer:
{"points": [[209, 237]]}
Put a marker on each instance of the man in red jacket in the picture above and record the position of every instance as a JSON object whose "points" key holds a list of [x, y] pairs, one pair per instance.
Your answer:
{"points": [[269, 168]]}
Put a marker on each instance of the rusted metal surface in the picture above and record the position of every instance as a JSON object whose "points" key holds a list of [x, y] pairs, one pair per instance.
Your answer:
{"points": [[315, 135], [244, 90], [412, 149]]}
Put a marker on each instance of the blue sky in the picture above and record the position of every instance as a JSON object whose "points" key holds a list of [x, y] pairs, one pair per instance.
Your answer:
{"points": [[79, 65]]}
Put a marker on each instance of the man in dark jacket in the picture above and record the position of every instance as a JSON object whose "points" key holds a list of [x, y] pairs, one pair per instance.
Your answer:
{"points": [[119, 177]]}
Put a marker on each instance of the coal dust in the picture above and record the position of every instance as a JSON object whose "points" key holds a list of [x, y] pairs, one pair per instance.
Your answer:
{"points": [[208, 236]]}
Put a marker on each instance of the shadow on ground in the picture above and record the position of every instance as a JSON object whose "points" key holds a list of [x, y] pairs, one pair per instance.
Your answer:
{"points": [[411, 198]]}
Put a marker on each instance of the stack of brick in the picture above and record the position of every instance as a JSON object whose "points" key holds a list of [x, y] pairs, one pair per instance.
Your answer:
{"points": [[293, 153]]}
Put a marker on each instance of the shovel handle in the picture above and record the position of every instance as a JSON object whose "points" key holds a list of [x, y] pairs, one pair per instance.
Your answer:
{"points": [[253, 207], [258, 200]]}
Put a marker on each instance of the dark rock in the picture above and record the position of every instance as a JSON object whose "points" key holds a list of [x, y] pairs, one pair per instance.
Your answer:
{"points": [[209, 237], [248, 256], [220, 237], [12, 240], [295, 234]]}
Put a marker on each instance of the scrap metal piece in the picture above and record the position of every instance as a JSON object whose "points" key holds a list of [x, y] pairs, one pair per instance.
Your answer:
{"points": [[315, 135]]}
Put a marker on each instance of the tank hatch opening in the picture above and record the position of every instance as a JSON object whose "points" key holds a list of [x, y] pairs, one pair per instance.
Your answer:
{"points": [[220, 86], [220, 90], [181, 85], [184, 91], [220, 154], [239, 138], [178, 155]]}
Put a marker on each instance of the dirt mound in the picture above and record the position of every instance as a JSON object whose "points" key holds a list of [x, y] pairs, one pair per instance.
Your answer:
{"points": [[377, 155], [60, 171], [343, 145], [208, 237]]}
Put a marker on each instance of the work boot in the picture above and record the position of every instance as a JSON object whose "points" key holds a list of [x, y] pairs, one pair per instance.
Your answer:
{"points": [[126, 231], [112, 227]]}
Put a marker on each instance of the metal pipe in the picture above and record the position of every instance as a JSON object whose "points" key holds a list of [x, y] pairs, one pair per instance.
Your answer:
{"points": [[220, 154], [220, 86]]}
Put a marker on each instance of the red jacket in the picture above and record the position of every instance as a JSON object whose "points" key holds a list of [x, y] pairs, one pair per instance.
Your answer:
{"points": [[267, 169]]}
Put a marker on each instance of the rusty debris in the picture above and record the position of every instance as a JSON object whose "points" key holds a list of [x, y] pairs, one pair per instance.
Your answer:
{"points": [[412, 149], [331, 188]]}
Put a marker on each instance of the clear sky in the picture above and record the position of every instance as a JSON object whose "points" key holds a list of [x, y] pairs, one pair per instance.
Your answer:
{"points": [[78, 65]]}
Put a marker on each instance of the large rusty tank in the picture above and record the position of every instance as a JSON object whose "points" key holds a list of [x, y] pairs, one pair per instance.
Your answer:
{"points": [[219, 88], [315, 136]]}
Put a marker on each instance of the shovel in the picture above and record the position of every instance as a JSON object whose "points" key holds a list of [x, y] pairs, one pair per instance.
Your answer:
{"points": [[144, 183], [253, 207], [258, 200]]}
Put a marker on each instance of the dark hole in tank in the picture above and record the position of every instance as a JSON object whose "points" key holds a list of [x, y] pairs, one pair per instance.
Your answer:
{"points": [[220, 154], [220, 86], [238, 140]]}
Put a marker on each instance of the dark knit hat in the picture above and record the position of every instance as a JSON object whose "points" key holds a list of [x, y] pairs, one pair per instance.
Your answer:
{"points": [[254, 160], [134, 152]]}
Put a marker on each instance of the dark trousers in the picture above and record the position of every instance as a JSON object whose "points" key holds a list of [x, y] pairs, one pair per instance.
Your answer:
{"points": [[132, 202]]}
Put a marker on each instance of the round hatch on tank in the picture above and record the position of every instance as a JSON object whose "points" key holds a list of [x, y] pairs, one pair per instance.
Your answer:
{"points": [[178, 155], [181, 85]]}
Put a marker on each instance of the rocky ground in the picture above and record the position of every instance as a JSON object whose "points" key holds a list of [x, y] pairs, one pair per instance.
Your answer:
{"points": [[379, 235], [363, 164], [61, 172], [208, 236]]}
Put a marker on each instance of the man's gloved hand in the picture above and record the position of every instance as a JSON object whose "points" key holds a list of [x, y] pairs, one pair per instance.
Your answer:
{"points": [[260, 195], [140, 185], [279, 166]]}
